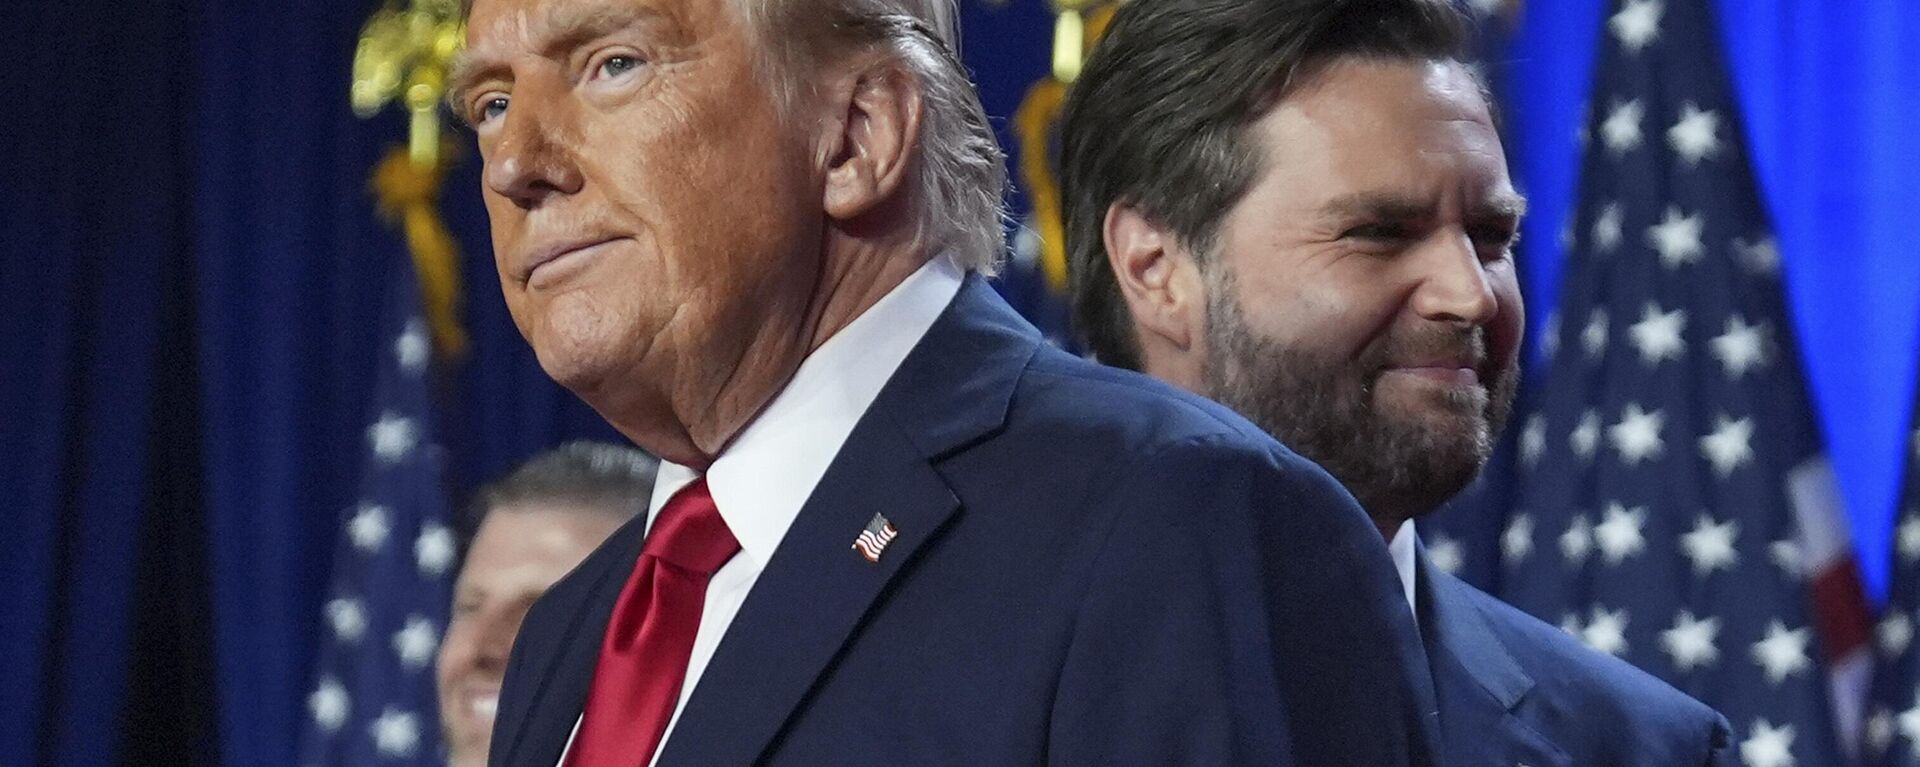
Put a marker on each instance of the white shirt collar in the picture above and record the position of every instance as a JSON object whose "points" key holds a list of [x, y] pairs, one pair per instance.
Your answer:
{"points": [[1401, 548], [760, 481]]}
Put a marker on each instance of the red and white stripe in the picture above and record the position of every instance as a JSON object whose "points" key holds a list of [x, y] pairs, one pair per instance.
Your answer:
{"points": [[1840, 611], [872, 541]]}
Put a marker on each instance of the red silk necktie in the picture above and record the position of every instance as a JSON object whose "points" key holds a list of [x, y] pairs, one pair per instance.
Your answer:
{"points": [[643, 658]]}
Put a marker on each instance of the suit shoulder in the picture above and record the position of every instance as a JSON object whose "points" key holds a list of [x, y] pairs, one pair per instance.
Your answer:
{"points": [[1086, 399], [1612, 694]]}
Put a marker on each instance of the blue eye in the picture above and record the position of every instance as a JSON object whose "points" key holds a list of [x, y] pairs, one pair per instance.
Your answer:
{"points": [[616, 66], [492, 108]]}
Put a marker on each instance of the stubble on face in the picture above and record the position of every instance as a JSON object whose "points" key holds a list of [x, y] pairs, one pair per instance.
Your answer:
{"points": [[1399, 460]]}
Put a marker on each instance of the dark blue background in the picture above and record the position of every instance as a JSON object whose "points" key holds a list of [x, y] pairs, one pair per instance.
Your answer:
{"points": [[192, 278]]}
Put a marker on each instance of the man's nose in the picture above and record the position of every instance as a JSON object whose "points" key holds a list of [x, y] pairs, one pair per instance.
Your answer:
{"points": [[532, 161], [1453, 285], [494, 640]]}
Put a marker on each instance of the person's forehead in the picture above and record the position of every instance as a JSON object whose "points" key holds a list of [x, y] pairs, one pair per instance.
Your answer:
{"points": [[1387, 94], [536, 535], [500, 28], [1368, 120]]}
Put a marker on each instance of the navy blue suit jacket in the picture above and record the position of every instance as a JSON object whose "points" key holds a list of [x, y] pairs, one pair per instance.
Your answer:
{"points": [[1514, 690], [1091, 569]]}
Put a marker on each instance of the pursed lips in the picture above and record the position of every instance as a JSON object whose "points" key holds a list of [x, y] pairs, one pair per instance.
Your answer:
{"points": [[556, 250]]}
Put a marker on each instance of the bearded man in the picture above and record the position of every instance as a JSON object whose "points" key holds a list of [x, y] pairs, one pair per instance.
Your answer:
{"points": [[1301, 208]]}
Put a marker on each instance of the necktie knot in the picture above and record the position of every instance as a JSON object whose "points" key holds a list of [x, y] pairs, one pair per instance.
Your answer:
{"points": [[649, 637], [689, 533]]}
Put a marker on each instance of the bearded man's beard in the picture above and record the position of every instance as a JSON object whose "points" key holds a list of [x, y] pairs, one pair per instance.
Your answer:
{"points": [[1399, 460]]}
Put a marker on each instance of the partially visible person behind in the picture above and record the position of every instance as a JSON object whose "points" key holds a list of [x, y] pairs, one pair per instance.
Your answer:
{"points": [[1301, 209], [530, 528]]}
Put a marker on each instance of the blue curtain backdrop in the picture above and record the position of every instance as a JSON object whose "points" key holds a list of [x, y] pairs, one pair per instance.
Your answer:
{"points": [[191, 275]]}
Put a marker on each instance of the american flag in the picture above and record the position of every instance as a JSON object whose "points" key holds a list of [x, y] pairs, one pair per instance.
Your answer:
{"points": [[373, 697], [1893, 728], [875, 538], [1670, 503]]}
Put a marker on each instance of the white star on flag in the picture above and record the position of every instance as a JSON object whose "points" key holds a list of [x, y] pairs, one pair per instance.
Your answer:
{"points": [[1657, 334], [348, 618], [411, 347], [1907, 539], [1637, 436], [1516, 542], [329, 705], [1593, 337], [1637, 24], [1894, 632], [396, 733], [1694, 137], [1577, 540], [1607, 226], [1621, 130], [434, 549], [1729, 446], [1585, 437], [1533, 439], [1880, 730], [369, 527], [1786, 556], [1606, 631], [1690, 641], [392, 437], [1782, 653], [1761, 256], [1768, 746], [1710, 545], [415, 643], [1910, 725], [1619, 536], [1741, 348], [1677, 237]]}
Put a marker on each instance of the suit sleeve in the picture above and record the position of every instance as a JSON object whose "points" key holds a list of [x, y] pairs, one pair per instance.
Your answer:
{"points": [[1243, 610]]}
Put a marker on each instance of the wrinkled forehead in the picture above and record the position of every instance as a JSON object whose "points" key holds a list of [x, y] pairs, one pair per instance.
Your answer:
{"points": [[496, 28]]}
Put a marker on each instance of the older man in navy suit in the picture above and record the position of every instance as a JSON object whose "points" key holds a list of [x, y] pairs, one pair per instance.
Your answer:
{"points": [[1301, 209], [892, 525]]}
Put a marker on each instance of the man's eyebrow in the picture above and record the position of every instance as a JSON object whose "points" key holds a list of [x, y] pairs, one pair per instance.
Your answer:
{"points": [[1504, 204], [551, 35], [464, 71], [1396, 207], [1377, 205]]}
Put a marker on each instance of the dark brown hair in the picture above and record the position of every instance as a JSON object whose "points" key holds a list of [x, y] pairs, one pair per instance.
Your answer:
{"points": [[1157, 118]]}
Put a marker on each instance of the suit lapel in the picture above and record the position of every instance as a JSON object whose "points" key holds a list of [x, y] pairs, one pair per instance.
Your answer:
{"points": [[952, 390], [1479, 684], [561, 694]]}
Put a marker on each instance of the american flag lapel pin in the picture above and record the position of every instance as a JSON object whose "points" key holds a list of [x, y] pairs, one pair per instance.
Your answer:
{"points": [[874, 539]]}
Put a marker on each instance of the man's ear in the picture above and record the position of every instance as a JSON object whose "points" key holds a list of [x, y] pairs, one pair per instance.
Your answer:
{"points": [[866, 161], [1159, 281]]}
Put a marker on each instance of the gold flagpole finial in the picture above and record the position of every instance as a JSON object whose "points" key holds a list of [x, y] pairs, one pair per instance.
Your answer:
{"points": [[1078, 24], [403, 57]]}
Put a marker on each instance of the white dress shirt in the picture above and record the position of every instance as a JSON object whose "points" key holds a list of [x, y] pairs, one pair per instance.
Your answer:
{"points": [[760, 481], [1401, 549]]}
